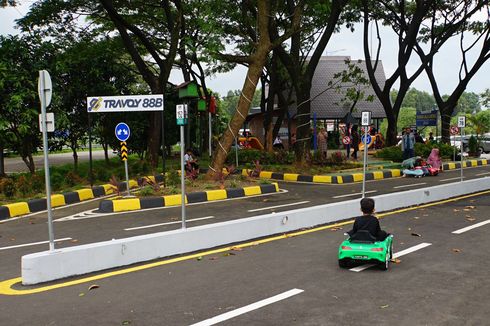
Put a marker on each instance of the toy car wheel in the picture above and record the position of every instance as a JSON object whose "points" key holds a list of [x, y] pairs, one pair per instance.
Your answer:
{"points": [[343, 263], [391, 251], [386, 264]]}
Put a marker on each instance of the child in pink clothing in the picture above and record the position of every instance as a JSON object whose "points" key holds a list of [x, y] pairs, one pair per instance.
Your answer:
{"points": [[434, 159]]}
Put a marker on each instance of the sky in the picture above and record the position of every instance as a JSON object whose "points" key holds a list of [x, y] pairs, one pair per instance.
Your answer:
{"points": [[344, 43]]}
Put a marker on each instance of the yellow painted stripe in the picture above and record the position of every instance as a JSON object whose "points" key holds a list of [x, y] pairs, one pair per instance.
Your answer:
{"points": [[378, 175], [17, 209], [6, 286], [340, 180], [151, 178], [216, 194], [133, 184], [109, 189], [245, 172], [357, 177], [85, 194], [173, 200], [396, 173], [126, 204], [57, 200], [474, 163], [276, 185], [322, 178], [291, 177], [266, 174], [452, 166], [254, 190]]}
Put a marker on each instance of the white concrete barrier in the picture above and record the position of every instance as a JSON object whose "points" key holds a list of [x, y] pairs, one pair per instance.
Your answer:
{"points": [[47, 266]]}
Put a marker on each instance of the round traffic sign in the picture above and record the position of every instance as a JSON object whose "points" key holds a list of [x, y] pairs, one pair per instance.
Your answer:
{"points": [[368, 139], [122, 131], [346, 140], [454, 130]]}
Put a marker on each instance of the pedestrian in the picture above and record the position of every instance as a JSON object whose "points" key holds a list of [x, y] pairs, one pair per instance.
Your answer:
{"points": [[434, 159], [278, 143], [355, 141], [408, 144], [347, 133], [323, 143], [418, 138], [189, 162], [431, 137]]}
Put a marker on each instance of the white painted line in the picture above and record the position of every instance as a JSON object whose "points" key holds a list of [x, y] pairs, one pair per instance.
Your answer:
{"points": [[33, 244], [395, 255], [451, 179], [479, 174], [285, 205], [168, 223], [248, 308], [411, 185], [354, 194], [471, 227]]}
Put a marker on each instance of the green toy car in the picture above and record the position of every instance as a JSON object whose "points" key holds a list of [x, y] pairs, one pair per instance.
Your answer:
{"points": [[363, 248]]}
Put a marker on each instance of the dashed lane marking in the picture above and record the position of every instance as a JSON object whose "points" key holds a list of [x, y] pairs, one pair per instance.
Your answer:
{"points": [[33, 244], [168, 223], [411, 185], [471, 227], [278, 206], [355, 194]]}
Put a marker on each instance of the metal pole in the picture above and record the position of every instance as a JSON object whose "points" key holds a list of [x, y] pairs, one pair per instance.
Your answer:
{"points": [[46, 162], [236, 151], [163, 149], [90, 169], [182, 174], [365, 161], [210, 126], [461, 161], [127, 176]]}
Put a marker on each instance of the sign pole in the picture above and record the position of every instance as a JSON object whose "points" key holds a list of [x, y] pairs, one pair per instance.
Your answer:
{"points": [[210, 117], [365, 121], [462, 125], [182, 174], [43, 88], [236, 151], [127, 176]]}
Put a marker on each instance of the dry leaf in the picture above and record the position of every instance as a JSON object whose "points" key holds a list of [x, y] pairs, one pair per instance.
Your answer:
{"points": [[81, 294], [335, 229], [471, 219], [455, 210], [265, 200], [74, 241], [385, 306], [409, 229], [415, 234], [472, 201], [470, 207], [396, 260], [236, 248], [213, 258], [467, 210], [12, 239], [126, 322], [199, 258], [416, 217], [93, 287], [456, 250]]}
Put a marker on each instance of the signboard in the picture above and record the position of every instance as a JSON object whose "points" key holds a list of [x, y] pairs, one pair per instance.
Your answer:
{"points": [[461, 121], [181, 114], [346, 140], [126, 103], [424, 118], [122, 131], [368, 139], [49, 122], [44, 82], [365, 118], [124, 151], [454, 130]]}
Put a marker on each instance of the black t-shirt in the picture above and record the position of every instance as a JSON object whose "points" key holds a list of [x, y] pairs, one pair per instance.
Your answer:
{"points": [[369, 223]]}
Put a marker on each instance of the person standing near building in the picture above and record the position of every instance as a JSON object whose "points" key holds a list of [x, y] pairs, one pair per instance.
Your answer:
{"points": [[355, 141], [408, 144], [323, 143]]}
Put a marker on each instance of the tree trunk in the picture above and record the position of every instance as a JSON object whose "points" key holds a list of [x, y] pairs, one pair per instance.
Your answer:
{"points": [[154, 137], [445, 124], [303, 123], [2, 161], [29, 163], [391, 130], [106, 152], [75, 159]]}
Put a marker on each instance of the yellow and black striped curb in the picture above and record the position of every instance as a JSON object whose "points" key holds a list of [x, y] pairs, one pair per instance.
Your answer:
{"points": [[131, 204], [37, 205], [335, 179], [466, 163]]}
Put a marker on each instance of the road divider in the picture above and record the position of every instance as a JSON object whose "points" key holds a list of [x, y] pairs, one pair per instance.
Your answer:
{"points": [[131, 204], [466, 164]]}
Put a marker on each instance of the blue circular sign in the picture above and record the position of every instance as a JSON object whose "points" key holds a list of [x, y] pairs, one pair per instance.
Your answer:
{"points": [[122, 131], [368, 139]]}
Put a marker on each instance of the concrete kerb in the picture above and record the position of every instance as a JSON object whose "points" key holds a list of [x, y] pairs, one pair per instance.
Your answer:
{"points": [[52, 265], [38, 205], [355, 176], [119, 205]]}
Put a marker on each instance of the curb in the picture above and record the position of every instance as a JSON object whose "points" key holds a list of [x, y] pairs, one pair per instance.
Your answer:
{"points": [[38, 205], [120, 205], [467, 163], [333, 179]]}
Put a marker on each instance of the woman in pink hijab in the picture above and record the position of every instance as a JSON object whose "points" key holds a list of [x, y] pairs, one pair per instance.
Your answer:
{"points": [[434, 159]]}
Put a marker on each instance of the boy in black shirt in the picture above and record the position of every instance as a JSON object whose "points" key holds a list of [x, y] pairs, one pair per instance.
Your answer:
{"points": [[368, 221]]}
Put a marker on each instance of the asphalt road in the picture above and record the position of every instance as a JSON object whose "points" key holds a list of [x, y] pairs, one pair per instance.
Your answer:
{"points": [[15, 164], [444, 283]]}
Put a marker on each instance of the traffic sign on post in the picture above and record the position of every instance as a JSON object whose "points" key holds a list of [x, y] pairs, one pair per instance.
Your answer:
{"points": [[122, 131], [366, 139], [461, 121], [181, 114], [365, 118], [454, 130], [346, 140], [45, 87], [124, 151]]}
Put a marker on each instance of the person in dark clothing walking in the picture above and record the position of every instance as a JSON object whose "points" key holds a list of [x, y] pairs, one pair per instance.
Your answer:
{"points": [[368, 221], [355, 141]]}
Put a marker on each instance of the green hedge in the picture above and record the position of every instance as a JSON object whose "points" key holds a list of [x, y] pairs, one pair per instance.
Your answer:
{"points": [[248, 156], [395, 153]]}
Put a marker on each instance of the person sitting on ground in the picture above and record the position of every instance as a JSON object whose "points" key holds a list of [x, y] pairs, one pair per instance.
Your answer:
{"points": [[189, 162], [434, 159], [367, 221], [278, 143]]}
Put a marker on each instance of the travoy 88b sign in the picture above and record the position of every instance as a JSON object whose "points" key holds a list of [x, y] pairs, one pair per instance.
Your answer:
{"points": [[125, 103]]}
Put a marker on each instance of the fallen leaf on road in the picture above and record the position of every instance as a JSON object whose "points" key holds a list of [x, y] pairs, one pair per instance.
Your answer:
{"points": [[93, 287], [174, 218], [199, 258], [385, 306], [265, 200], [81, 294], [456, 250], [396, 260], [236, 248], [416, 217], [335, 229], [409, 229], [415, 234], [470, 207], [12, 239], [455, 210], [213, 258], [74, 241], [126, 322], [467, 210], [471, 219]]}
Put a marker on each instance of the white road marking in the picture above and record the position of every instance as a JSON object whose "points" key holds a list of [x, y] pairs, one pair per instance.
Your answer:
{"points": [[479, 174], [91, 213], [168, 223], [474, 226], [451, 179], [248, 308], [395, 255], [285, 205], [411, 185], [354, 194], [33, 244]]}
